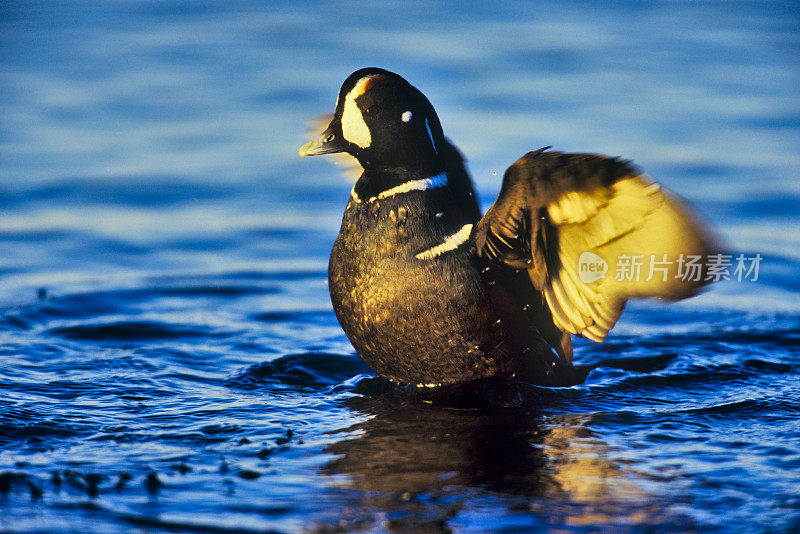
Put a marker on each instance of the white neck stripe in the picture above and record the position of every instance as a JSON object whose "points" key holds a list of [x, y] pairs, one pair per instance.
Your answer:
{"points": [[451, 242], [440, 180]]}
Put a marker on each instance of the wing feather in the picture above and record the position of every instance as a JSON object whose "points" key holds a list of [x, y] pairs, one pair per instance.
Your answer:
{"points": [[583, 208]]}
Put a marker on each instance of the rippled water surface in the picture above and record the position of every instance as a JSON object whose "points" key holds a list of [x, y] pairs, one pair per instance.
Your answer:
{"points": [[170, 360]]}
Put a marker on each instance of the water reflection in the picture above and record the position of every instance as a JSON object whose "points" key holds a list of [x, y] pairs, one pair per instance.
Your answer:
{"points": [[418, 466]]}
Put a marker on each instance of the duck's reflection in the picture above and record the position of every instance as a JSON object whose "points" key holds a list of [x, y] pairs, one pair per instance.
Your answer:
{"points": [[417, 466]]}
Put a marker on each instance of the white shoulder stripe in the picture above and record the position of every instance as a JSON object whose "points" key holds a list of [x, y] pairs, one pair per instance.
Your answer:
{"points": [[451, 242], [440, 180]]}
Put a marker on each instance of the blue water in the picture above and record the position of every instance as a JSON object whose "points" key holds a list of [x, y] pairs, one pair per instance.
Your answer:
{"points": [[170, 360]]}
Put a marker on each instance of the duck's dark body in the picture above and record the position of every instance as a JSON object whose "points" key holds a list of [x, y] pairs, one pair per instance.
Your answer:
{"points": [[425, 321], [402, 314]]}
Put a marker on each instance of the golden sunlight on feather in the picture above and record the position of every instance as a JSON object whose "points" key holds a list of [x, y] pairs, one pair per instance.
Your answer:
{"points": [[592, 232], [633, 218]]}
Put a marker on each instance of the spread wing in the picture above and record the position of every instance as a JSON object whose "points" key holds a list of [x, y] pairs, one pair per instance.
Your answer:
{"points": [[592, 232]]}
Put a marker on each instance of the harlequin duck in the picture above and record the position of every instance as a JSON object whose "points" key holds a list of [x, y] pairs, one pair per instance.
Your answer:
{"points": [[431, 294]]}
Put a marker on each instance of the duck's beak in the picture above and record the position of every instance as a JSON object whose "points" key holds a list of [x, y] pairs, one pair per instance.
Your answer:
{"points": [[326, 143]]}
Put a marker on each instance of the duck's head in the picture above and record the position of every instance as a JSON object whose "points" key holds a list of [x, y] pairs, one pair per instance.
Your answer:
{"points": [[384, 122]]}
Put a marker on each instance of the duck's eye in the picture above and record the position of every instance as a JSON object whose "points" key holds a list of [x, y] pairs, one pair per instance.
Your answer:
{"points": [[372, 110], [406, 116]]}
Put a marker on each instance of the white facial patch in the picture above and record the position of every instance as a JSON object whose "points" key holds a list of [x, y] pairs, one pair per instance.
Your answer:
{"points": [[406, 116], [354, 129]]}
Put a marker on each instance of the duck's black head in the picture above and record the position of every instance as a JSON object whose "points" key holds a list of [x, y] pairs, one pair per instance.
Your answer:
{"points": [[385, 123]]}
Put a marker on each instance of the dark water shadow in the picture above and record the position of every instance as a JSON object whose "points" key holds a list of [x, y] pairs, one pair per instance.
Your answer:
{"points": [[427, 465]]}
